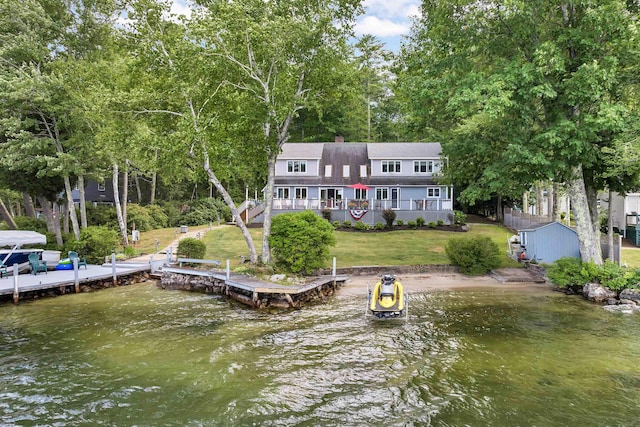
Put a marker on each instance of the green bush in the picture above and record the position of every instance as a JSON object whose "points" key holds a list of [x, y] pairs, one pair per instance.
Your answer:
{"points": [[389, 216], [475, 256], [205, 211], [380, 226], [432, 224], [95, 243], [569, 271], [32, 224], [412, 225], [336, 224], [420, 221], [399, 223], [140, 217], [326, 214], [440, 222], [300, 241], [159, 218], [361, 226], [346, 224], [102, 215], [459, 217], [191, 248]]}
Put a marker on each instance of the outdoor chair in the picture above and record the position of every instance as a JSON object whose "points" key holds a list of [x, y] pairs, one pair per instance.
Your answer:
{"points": [[81, 261], [36, 264], [3, 271]]}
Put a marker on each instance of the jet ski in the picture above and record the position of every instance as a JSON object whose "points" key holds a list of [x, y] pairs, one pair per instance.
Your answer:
{"points": [[387, 300]]}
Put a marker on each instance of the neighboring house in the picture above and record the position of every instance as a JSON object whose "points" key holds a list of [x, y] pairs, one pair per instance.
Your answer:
{"points": [[626, 214], [357, 181], [95, 193], [549, 241]]}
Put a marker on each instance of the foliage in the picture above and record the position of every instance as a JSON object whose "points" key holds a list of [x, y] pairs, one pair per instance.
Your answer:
{"points": [[96, 242], [336, 224], [399, 223], [440, 222], [572, 272], [159, 218], [346, 224], [326, 214], [459, 217], [412, 224], [206, 211], [431, 224], [474, 256], [389, 216], [361, 226], [104, 215], [192, 248], [33, 224], [140, 216], [301, 241], [420, 221], [380, 226]]}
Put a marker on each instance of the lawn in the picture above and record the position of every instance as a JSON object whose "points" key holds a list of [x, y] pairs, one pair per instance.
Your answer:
{"points": [[402, 247]]}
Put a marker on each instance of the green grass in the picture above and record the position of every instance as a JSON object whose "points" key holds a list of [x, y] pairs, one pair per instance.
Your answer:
{"points": [[403, 247], [165, 236], [631, 256]]}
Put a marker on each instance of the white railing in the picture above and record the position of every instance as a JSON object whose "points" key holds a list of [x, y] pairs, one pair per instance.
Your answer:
{"points": [[370, 204]]}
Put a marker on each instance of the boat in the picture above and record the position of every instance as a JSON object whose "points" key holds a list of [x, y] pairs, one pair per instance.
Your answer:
{"points": [[388, 300], [12, 252]]}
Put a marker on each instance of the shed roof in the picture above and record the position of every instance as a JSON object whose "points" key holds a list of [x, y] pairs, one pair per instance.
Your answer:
{"points": [[538, 226]]}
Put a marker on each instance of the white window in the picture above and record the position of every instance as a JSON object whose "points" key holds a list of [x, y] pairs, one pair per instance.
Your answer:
{"points": [[424, 166], [361, 194], [363, 171], [101, 187], [433, 192], [346, 171], [301, 193], [327, 171], [391, 166], [282, 193], [382, 194], [297, 166]]}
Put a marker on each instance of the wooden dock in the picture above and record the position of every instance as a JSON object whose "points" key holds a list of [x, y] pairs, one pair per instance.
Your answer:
{"points": [[250, 290], [64, 281]]}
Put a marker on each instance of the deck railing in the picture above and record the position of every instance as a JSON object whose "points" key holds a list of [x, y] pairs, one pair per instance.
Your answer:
{"points": [[368, 204]]}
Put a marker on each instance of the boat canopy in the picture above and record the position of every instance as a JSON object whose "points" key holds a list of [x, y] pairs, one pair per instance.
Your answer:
{"points": [[18, 238]]}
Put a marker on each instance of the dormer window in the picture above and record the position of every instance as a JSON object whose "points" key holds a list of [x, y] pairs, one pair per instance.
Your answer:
{"points": [[391, 166], [297, 166], [424, 166]]}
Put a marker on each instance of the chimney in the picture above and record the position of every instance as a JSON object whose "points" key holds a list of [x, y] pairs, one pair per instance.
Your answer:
{"points": [[339, 138]]}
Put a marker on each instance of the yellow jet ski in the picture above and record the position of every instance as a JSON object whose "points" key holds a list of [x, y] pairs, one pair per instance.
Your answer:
{"points": [[388, 300]]}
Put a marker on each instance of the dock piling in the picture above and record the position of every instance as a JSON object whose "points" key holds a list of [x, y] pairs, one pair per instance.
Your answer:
{"points": [[16, 289], [113, 269], [76, 279]]}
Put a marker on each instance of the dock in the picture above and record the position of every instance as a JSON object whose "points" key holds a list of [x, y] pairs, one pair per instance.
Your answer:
{"points": [[66, 281]]}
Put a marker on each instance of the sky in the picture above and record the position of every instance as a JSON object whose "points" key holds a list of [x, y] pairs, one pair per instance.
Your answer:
{"points": [[388, 20]]}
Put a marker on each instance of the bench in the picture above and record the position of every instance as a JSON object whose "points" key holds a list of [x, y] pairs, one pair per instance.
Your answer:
{"points": [[198, 261]]}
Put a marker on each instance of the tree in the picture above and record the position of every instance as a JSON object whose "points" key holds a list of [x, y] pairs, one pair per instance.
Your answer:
{"points": [[524, 92]]}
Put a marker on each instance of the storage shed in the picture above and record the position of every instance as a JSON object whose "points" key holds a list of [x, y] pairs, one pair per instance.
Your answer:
{"points": [[549, 241]]}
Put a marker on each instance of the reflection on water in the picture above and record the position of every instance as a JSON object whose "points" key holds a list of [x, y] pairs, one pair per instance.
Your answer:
{"points": [[141, 356]]}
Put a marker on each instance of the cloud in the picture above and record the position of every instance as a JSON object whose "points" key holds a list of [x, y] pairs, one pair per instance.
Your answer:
{"points": [[381, 27], [393, 10]]}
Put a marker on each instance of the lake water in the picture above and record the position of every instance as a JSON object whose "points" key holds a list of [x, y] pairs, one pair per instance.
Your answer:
{"points": [[142, 356]]}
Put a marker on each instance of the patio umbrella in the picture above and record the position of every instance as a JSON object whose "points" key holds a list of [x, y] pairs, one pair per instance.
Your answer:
{"points": [[359, 186]]}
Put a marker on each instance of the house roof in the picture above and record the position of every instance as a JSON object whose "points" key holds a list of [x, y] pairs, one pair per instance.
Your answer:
{"points": [[538, 226], [302, 150], [404, 150]]}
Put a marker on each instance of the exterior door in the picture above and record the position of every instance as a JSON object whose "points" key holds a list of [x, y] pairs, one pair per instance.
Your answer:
{"points": [[395, 198]]}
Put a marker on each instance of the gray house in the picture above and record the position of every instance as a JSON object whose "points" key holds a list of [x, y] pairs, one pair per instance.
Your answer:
{"points": [[549, 241], [357, 181]]}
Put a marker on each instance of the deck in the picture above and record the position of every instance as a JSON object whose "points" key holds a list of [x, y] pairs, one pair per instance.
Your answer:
{"points": [[57, 279]]}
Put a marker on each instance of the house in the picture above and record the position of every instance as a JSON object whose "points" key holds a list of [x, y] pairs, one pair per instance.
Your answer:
{"points": [[626, 214], [358, 181], [549, 241]]}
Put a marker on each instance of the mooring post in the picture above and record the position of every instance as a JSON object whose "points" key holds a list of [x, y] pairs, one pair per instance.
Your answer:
{"points": [[169, 255], [113, 268], [333, 270], [76, 280], [228, 270], [151, 267], [16, 291]]}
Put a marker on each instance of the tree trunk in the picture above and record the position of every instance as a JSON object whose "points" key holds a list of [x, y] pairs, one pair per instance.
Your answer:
{"points": [[213, 179], [65, 219], [125, 191], [116, 201], [540, 197], [499, 210], [268, 207], [525, 202], [551, 209], [83, 202], [28, 205], [56, 224], [136, 180], [72, 208], [45, 205], [556, 202], [589, 243], [6, 215], [154, 177], [610, 251]]}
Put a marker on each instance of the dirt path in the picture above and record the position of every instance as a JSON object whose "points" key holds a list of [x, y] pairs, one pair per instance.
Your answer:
{"points": [[357, 285]]}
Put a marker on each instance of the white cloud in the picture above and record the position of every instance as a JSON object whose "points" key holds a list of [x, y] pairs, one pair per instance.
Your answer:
{"points": [[394, 9], [381, 27]]}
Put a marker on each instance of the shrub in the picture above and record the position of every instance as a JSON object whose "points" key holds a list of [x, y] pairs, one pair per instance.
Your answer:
{"points": [[326, 214], [420, 221], [346, 224], [32, 224], [475, 256], [412, 225], [206, 211], [95, 243], [191, 248], [336, 224], [399, 223], [431, 224], [102, 215], [140, 217], [459, 217], [440, 222], [361, 226], [159, 218], [569, 271], [300, 241], [380, 226], [389, 216]]}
